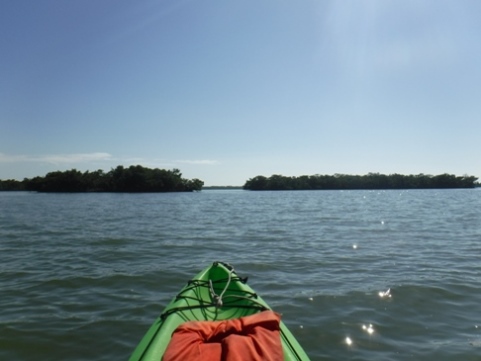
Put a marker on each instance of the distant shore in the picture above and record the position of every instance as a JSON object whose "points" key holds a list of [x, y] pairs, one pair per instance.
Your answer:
{"points": [[369, 181], [134, 179], [137, 179]]}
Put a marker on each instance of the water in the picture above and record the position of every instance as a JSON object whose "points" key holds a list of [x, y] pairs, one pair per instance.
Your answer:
{"points": [[82, 276]]}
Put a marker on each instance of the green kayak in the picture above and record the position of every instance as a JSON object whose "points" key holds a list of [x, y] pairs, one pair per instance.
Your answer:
{"points": [[215, 294]]}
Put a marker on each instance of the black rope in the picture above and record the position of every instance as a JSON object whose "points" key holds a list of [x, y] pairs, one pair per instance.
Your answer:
{"points": [[231, 300], [167, 313], [192, 284]]}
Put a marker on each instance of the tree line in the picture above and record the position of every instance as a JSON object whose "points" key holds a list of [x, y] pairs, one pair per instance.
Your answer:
{"points": [[119, 179], [369, 181]]}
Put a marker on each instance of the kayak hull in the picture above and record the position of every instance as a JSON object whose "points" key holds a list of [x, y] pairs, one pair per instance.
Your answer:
{"points": [[215, 294]]}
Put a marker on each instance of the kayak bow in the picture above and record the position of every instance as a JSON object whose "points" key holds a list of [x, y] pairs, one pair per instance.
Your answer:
{"points": [[215, 294]]}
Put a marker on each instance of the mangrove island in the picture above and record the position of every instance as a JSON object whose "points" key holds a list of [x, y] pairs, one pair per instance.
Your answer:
{"points": [[369, 181], [131, 179]]}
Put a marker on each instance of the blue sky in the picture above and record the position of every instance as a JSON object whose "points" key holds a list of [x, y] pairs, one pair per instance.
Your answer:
{"points": [[227, 90]]}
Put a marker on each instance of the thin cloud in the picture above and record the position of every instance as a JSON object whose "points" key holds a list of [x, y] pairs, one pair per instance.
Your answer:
{"points": [[56, 158], [99, 157], [198, 162], [77, 158], [5, 158]]}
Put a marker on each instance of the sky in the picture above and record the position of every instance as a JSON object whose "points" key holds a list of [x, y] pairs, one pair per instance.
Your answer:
{"points": [[228, 90]]}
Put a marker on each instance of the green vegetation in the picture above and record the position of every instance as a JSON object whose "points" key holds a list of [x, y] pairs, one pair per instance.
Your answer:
{"points": [[11, 185], [140, 179], [369, 181], [131, 179]]}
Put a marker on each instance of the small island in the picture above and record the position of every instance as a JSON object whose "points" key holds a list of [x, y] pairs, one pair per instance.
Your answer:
{"points": [[132, 179], [369, 181]]}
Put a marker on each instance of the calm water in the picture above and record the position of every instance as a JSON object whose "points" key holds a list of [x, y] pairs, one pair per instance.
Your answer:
{"points": [[82, 276]]}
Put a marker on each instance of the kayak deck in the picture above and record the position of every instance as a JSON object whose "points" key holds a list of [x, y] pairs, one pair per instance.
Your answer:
{"points": [[215, 294]]}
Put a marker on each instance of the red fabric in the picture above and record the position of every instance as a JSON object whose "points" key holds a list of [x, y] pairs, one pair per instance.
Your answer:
{"points": [[250, 338]]}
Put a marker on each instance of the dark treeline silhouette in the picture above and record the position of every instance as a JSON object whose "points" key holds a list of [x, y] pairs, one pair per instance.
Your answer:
{"points": [[11, 185], [369, 181], [131, 179]]}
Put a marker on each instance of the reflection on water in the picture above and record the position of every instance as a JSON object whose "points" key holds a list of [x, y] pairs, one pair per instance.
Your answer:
{"points": [[387, 293], [348, 341], [369, 329]]}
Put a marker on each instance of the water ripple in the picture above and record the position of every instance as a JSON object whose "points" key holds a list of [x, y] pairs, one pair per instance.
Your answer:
{"points": [[82, 276]]}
